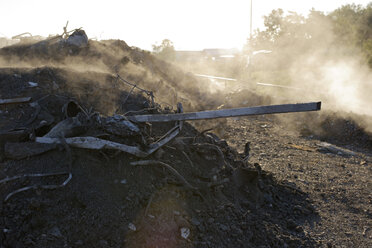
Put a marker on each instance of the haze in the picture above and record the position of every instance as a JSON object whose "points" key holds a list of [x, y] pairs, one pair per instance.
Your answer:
{"points": [[191, 24]]}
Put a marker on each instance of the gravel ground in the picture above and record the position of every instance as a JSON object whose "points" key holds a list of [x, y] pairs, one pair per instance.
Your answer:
{"points": [[339, 186]]}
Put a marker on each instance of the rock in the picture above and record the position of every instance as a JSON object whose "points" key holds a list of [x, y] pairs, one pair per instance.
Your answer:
{"points": [[299, 229], [291, 224], [210, 220], [32, 84], [224, 227], [78, 39], [132, 227], [185, 232], [55, 232], [195, 222]]}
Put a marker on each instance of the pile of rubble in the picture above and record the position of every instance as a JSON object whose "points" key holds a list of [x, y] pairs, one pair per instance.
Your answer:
{"points": [[79, 172]]}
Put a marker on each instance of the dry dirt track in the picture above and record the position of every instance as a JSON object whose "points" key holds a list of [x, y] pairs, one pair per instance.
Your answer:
{"points": [[339, 187]]}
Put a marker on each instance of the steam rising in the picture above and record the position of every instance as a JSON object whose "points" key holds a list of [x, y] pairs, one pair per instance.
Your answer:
{"points": [[318, 67], [342, 85]]}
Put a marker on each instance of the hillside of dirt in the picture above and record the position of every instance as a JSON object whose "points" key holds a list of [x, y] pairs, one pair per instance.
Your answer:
{"points": [[169, 83], [254, 184]]}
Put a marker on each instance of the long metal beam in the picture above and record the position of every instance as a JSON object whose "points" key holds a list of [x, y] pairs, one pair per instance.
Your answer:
{"points": [[223, 113], [15, 100]]}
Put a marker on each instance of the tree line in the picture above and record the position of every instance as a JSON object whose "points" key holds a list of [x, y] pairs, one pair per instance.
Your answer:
{"points": [[343, 33], [346, 31]]}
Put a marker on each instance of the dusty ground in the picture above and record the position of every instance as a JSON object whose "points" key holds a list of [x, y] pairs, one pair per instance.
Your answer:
{"points": [[338, 186]]}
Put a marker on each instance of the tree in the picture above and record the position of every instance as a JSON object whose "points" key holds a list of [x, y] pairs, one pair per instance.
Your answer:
{"points": [[165, 50], [352, 27], [292, 39]]}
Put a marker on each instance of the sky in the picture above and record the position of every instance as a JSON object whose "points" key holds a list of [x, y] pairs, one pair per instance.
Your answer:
{"points": [[189, 24]]}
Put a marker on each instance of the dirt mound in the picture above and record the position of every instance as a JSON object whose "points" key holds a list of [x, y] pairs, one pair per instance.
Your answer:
{"points": [[204, 196], [345, 130], [336, 128], [169, 83]]}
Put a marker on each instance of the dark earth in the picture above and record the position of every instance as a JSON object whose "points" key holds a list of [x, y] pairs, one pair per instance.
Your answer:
{"points": [[280, 190]]}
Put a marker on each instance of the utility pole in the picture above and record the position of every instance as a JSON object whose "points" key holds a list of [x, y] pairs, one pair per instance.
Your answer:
{"points": [[250, 48], [250, 30]]}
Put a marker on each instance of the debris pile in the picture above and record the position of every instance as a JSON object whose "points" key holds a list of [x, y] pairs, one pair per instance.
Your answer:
{"points": [[348, 130], [78, 173]]}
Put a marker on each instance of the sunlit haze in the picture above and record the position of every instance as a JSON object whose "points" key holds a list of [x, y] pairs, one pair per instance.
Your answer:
{"points": [[191, 24]]}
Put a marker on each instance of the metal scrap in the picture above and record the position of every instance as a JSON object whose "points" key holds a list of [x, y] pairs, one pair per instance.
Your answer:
{"points": [[52, 186], [134, 86], [15, 100], [9, 179], [329, 148], [167, 166], [98, 144], [67, 128], [223, 113], [40, 187], [119, 125]]}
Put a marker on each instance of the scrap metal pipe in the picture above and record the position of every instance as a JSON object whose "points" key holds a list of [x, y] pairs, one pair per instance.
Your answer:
{"points": [[15, 100], [223, 113]]}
